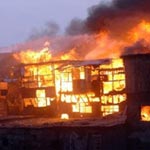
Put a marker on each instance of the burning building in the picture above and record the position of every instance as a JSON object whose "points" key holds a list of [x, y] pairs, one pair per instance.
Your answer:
{"points": [[81, 88], [101, 88], [74, 87], [91, 85], [88, 77], [102, 75]]}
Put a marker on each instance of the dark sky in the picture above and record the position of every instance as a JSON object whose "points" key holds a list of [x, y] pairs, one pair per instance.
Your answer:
{"points": [[19, 17]]}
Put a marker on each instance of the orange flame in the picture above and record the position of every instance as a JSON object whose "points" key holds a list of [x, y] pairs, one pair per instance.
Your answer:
{"points": [[145, 113], [106, 46], [141, 31], [65, 116]]}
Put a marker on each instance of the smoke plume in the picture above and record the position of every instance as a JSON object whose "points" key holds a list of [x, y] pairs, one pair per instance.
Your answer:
{"points": [[118, 17], [110, 30], [49, 30]]}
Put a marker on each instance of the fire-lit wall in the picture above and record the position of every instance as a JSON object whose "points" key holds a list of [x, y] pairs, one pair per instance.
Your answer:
{"points": [[3, 95]]}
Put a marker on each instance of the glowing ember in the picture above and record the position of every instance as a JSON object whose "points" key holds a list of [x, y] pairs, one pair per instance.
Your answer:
{"points": [[145, 113], [65, 116]]}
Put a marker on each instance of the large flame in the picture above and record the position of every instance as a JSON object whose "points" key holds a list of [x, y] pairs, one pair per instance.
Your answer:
{"points": [[30, 56], [141, 31], [106, 46], [112, 87], [109, 46]]}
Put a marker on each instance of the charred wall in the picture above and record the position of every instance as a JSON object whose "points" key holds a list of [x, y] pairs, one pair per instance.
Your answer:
{"points": [[137, 68]]}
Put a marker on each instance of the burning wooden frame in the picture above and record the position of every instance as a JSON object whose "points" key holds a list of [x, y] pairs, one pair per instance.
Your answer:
{"points": [[77, 88]]}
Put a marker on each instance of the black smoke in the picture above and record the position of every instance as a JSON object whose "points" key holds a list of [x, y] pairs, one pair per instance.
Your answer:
{"points": [[140, 47], [50, 29], [76, 27], [118, 17]]}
